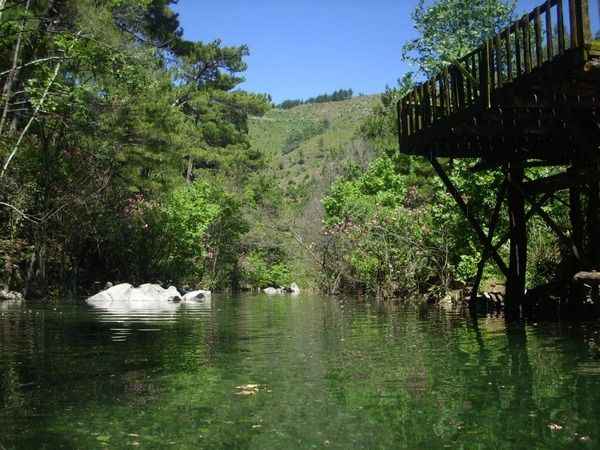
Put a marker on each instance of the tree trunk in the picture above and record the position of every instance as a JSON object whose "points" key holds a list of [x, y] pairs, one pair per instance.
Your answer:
{"points": [[2, 5], [190, 168], [12, 76]]}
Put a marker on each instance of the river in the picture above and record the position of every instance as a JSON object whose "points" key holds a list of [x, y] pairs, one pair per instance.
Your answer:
{"points": [[257, 372]]}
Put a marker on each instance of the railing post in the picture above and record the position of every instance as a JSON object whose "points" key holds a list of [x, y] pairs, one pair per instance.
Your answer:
{"points": [[581, 30], [484, 75]]}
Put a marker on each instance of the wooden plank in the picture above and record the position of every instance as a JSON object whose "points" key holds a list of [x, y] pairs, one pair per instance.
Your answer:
{"points": [[427, 116], [584, 21], [526, 44], [484, 80], [401, 128], [560, 20], [539, 56], [549, 28], [509, 54], [413, 115], [518, 59], [474, 74], [492, 68], [468, 82], [434, 103], [447, 100], [574, 29], [460, 89], [442, 93]]}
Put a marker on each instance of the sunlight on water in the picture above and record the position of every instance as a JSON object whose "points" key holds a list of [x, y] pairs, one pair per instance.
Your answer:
{"points": [[282, 373]]}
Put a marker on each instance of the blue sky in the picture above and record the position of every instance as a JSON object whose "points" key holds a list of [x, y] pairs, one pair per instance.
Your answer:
{"points": [[302, 48]]}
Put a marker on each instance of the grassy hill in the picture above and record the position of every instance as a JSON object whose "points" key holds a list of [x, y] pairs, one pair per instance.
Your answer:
{"points": [[301, 142], [308, 148]]}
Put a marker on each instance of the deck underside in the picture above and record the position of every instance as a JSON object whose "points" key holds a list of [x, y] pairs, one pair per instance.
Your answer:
{"points": [[551, 114]]}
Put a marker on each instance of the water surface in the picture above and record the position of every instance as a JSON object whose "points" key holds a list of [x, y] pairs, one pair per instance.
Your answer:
{"points": [[255, 372]]}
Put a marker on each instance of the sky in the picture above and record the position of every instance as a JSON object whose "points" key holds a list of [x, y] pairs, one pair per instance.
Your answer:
{"points": [[303, 48]]}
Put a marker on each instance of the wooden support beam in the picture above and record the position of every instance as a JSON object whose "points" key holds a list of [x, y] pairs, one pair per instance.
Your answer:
{"points": [[490, 238], [465, 210], [515, 283], [537, 209], [553, 183], [576, 216], [593, 219]]}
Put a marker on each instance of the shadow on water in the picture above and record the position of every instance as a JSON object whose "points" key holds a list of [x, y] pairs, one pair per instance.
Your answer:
{"points": [[313, 372]]}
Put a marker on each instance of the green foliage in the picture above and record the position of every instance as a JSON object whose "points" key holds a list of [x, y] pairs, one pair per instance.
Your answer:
{"points": [[260, 271], [423, 212], [122, 111], [449, 29], [376, 240], [305, 131]]}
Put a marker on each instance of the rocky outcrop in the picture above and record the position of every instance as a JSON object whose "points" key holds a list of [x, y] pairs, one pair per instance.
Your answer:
{"points": [[124, 298]]}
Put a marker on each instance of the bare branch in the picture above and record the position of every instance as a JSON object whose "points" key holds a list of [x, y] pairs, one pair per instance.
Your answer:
{"points": [[18, 211], [31, 63]]}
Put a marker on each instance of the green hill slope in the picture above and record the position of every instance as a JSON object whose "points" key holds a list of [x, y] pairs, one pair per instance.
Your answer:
{"points": [[308, 147], [303, 140]]}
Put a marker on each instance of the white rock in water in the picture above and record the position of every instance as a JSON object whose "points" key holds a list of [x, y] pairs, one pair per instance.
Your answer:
{"points": [[147, 298], [197, 296], [294, 289], [105, 298], [10, 296], [272, 291]]}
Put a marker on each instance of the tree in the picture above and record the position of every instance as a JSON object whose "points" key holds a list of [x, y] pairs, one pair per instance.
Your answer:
{"points": [[449, 29], [106, 110]]}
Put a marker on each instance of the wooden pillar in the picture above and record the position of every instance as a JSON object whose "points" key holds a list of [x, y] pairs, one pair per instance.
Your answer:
{"points": [[515, 284], [577, 220], [593, 222]]}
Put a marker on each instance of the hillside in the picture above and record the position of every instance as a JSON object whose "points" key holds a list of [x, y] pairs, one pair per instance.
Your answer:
{"points": [[303, 140], [308, 147]]}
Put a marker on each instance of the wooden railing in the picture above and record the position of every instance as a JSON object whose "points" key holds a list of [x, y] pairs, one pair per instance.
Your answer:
{"points": [[541, 36]]}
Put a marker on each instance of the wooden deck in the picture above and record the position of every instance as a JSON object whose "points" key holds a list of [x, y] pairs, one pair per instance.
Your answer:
{"points": [[531, 92]]}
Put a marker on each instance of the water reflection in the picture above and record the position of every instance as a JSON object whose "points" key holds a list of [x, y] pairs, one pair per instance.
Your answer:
{"points": [[329, 374]]}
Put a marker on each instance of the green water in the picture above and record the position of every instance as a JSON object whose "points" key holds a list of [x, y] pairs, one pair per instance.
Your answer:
{"points": [[331, 374]]}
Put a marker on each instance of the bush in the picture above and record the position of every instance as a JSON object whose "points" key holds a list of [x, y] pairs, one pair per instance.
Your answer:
{"points": [[258, 271]]}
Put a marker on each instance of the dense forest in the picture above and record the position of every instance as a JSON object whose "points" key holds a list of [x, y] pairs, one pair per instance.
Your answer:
{"points": [[124, 147], [128, 154], [335, 96]]}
